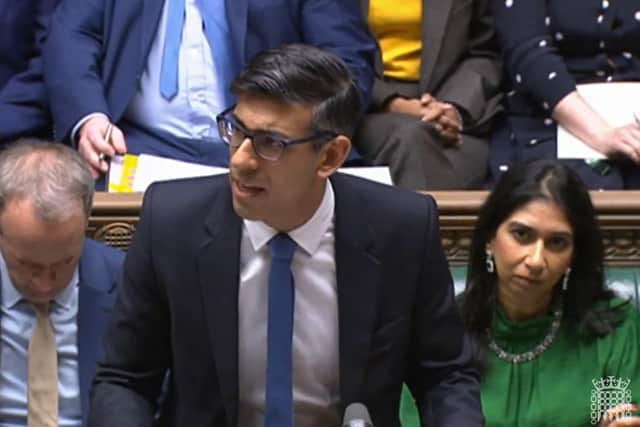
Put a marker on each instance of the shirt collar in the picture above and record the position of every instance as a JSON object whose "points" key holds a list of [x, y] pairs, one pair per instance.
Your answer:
{"points": [[308, 236], [11, 296]]}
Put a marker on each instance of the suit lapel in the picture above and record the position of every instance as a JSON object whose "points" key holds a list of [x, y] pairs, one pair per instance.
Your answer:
{"points": [[364, 7], [93, 312], [151, 13], [237, 20], [96, 295], [435, 15], [358, 283], [378, 64], [218, 265]]}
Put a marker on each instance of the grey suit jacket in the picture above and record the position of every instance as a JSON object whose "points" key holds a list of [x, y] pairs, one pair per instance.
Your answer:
{"points": [[460, 61]]}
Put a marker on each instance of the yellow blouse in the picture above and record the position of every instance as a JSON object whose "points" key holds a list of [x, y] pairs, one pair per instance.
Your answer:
{"points": [[398, 26]]}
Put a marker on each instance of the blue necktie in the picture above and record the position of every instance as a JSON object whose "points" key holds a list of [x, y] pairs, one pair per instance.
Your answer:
{"points": [[279, 400], [170, 54], [217, 32]]}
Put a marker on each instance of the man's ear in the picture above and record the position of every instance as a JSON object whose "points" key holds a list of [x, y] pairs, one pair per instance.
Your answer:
{"points": [[334, 153]]}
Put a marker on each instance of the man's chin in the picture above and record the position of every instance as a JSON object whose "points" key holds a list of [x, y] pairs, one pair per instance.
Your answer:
{"points": [[244, 211]]}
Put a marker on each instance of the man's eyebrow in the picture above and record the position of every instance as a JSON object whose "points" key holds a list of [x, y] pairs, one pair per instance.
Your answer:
{"points": [[262, 131], [237, 119]]}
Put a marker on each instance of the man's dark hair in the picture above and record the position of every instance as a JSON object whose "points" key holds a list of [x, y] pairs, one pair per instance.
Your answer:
{"points": [[301, 74]]}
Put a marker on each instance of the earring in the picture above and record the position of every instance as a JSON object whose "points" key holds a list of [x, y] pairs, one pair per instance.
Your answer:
{"points": [[565, 279], [491, 267]]}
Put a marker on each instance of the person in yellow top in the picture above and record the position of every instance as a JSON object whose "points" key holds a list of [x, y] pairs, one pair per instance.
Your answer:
{"points": [[436, 93]]}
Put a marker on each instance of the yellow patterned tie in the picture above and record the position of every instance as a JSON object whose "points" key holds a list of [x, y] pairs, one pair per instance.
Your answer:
{"points": [[43, 372]]}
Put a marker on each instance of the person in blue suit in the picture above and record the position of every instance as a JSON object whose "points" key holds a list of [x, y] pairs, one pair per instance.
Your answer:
{"points": [[48, 268], [23, 102], [152, 75], [273, 294]]}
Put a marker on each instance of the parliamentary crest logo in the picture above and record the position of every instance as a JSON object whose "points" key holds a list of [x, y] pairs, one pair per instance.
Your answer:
{"points": [[608, 392]]}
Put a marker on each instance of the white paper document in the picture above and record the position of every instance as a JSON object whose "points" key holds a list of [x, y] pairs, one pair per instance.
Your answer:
{"points": [[379, 174], [146, 169], [617, 103], [154, 168]]}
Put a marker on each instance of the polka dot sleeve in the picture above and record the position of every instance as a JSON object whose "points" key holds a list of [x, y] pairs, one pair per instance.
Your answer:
{"points": [[529, 46]]}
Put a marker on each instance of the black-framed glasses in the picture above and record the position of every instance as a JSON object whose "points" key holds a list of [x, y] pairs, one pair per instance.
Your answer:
{"points": [[265, 144]]}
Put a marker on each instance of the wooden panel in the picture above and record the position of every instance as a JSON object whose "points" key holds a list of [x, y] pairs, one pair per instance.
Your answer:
{"points": [[115, 216]]}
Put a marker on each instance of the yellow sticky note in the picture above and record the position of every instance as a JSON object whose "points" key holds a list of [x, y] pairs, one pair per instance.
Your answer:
{"points": [[126, 165]]}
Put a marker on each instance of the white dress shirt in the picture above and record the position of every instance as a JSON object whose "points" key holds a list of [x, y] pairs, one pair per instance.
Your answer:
{"points": [[315, 325], [192, 112]]}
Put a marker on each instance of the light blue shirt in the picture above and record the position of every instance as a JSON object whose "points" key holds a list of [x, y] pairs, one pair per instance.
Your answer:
{"points": [[192, 112], [17, 318]]}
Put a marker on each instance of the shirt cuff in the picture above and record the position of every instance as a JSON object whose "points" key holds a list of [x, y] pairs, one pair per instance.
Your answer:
{"points": [[81, 122]]}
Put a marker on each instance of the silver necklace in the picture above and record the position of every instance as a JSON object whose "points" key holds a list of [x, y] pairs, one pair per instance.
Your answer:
{"points": [[536, 351]]}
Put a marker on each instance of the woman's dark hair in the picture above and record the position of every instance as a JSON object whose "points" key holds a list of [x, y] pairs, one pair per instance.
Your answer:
{"points": [[584, 301]]}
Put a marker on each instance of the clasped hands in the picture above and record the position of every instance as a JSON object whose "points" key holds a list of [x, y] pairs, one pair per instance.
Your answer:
{"points": [[444, 117]]}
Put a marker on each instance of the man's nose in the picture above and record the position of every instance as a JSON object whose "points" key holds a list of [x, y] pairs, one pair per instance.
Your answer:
{"points": [[243, 154]]}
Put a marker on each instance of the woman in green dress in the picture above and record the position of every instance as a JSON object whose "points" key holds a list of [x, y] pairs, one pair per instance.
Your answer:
{"points": [[554, 346]]}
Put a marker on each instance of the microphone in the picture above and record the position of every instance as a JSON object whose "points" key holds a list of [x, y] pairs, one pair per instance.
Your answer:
{"points": [[356, 415]]}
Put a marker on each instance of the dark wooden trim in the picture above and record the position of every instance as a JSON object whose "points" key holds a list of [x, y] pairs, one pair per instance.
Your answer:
{"points": [[115, 216]]}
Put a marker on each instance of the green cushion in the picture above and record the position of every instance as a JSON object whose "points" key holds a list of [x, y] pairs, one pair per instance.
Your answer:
{"points": [[408, 411]]}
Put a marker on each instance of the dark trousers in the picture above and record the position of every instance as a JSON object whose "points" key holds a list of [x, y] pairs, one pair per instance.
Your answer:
{"points": [[416, 156]]}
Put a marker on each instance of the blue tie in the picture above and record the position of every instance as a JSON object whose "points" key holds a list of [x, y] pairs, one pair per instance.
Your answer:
{"points": [[279, 400], [217, 32], [170, 54]]}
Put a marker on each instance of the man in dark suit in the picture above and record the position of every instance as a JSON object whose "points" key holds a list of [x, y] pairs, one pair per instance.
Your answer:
{"points": [[121, 62], [281, 293], [436, 94], [49, 272], [23, 102]]}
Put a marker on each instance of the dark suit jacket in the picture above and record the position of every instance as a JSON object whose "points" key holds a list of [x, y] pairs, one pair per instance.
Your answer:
{"points": [[177, 309], [99, 269], [97, 49], [23, 102], [459, 64]]}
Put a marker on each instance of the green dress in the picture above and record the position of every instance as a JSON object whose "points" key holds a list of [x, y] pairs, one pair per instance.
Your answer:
{"points": [[557, 388]]}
